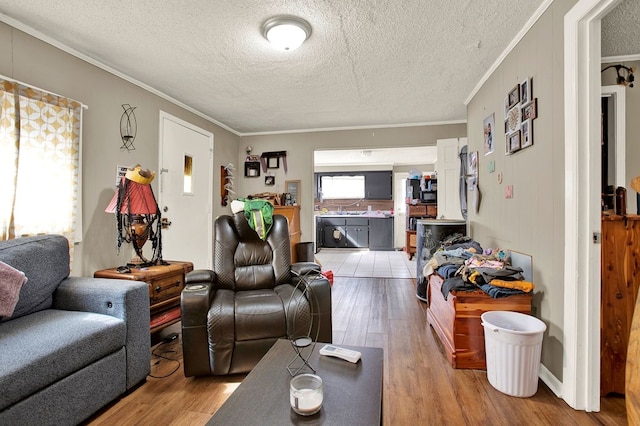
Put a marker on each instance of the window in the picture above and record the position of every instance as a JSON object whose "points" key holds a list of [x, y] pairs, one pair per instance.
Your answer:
{"points": [[188, 174], [39, 163], [337, 187]]}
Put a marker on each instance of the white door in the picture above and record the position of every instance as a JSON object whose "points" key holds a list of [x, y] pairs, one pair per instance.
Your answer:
{"points": [[400, 209], [448, 168], [186, 182]]}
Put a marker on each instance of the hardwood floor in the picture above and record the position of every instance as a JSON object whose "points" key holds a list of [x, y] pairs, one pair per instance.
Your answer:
{"points": [[420, 387]]}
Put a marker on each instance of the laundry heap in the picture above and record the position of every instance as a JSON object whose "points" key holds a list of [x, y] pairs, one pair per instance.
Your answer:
{"points": [[464, 265]]}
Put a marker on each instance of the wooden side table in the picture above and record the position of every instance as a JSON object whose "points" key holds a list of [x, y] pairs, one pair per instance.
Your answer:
{"points": [[165, 285]]}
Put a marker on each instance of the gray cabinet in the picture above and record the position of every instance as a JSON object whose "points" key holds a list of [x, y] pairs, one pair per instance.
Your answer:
{"points": [[355, 232], [334, 233], [378, 185], [381, 233]]}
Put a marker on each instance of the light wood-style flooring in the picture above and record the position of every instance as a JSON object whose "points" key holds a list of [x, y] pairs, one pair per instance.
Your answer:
{"points": [[420, 387]]}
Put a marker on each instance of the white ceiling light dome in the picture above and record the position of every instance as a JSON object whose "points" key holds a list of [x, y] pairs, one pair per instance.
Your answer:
{"points": [[286, 32]]}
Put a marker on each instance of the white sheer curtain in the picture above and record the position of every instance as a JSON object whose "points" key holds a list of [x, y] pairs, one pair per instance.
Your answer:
{"points": [[39, 162]]}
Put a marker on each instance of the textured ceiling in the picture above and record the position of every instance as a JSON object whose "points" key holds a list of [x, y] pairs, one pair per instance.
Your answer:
{"points": [[621, 30], [367, 62]]}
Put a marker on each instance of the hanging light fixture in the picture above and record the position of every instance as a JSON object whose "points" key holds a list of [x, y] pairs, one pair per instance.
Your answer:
{"points": [[286, 32]]}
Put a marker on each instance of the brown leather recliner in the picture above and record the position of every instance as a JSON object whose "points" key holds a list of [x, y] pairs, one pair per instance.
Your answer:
{"points": [[231, 316]]}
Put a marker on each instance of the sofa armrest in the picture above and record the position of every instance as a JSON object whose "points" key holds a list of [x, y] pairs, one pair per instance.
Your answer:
{"points": [[195, 302], [127, 300]]}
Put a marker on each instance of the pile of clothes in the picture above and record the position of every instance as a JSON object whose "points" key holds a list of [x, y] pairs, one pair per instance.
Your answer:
{"points": [[464, 265]]}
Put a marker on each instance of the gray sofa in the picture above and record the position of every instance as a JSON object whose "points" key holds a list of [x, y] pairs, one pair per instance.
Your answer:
{"points": [[72, 344]]}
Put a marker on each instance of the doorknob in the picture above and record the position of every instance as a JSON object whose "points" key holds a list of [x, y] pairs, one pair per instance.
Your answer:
{"points": [[165, 223]]}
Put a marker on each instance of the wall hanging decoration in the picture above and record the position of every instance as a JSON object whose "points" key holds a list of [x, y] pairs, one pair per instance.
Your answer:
{"points": [[472, 181], [128, 127], [271, 160], [292, 188], [489, 126], [226, 183], [251, 163], [521, 108], [269, 180]]}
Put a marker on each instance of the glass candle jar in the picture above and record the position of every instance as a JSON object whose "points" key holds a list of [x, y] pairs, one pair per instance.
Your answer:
{"points": [[306, 394]]}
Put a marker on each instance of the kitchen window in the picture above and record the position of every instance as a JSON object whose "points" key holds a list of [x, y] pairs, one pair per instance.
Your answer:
{"points": [[342, 187]]}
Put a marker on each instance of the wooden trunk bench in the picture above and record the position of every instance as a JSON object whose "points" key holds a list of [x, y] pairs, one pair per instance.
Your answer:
{"points": [[457, 321]]}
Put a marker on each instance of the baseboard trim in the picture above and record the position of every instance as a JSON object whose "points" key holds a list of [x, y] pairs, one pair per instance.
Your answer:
{"points": [[551, 381]]}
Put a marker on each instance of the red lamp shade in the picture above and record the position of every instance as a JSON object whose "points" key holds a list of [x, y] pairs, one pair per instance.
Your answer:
{"points": [[138, 199]]}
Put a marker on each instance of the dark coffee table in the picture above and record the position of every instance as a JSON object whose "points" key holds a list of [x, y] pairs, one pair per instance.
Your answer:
{"points": [[352, 392]]}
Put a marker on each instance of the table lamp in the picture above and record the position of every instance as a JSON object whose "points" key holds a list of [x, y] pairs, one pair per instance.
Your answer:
{"points": [[137, 215]]}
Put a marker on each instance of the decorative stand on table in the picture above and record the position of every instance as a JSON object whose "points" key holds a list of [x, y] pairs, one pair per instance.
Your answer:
{"points": [[302, 306]]}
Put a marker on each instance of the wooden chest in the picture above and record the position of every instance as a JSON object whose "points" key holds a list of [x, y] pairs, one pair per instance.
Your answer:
{"points": [[165, 286], [457, 321]]}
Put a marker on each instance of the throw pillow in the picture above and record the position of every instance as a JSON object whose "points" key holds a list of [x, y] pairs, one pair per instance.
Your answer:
{"points": [[11, 281]]}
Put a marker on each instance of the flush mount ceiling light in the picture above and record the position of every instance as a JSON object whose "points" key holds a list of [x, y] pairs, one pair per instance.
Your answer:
{"points": [[286, 32]]}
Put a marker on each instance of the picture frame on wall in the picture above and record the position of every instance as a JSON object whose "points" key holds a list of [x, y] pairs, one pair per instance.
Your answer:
{"points": [[525, 91], [527, 134], [514, 119], [489, 129], [514, 96], [269, 180], [530, 110], [513, 142], [292, 187]]}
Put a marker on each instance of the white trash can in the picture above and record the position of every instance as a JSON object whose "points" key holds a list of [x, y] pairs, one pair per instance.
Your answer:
{"points": [[513, 342]]}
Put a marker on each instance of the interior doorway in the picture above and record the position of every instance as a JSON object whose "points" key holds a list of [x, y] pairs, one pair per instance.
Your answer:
{"points": [[580, 386]]}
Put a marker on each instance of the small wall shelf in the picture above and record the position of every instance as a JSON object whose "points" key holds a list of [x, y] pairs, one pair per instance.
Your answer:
{"points": [[251, 169]]}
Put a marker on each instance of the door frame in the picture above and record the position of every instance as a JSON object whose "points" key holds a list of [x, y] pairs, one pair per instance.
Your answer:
{"points": [[582, 37], [166, 116]]}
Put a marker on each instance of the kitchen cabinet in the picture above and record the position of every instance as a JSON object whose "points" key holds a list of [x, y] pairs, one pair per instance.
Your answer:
{"points": [[378, 185], [355, 232], [381, 233]]}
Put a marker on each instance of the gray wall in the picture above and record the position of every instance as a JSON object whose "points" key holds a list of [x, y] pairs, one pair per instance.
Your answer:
{"points": [[29, 60], [300, 148], [632, 98], [532, 222]]}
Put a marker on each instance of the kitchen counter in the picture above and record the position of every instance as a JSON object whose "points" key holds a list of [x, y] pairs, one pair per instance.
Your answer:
{"points": [[362, 214]]}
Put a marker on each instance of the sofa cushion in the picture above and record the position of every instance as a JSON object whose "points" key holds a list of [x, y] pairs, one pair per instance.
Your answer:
{"points": [[49, 345], [44, 259]]}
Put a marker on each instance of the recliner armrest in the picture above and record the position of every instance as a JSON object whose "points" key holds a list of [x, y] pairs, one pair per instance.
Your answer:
{"points": [[310, 273], [195, 302], [303, 268], [200, 276]]}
